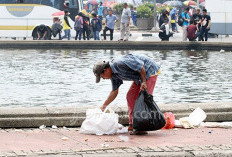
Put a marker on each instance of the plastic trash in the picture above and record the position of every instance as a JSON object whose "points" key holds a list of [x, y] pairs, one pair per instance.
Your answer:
{"points": [[65, 138], [64, 127], [42, 127], [105, 145], [194, 119], [226, 125], [170, 120], [54, 127], [124, 138], [100, 123], [178, 124], [147, 115], [222, 50]]}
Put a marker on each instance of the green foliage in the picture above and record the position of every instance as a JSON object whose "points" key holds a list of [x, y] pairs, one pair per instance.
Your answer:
{"points": [[144, 11], [150, 5]]}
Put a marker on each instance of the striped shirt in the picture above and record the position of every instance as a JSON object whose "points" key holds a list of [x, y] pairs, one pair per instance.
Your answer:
{"points": [[128, 68]]}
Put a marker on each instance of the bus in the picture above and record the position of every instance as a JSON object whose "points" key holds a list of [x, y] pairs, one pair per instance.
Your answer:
{"points": [[18, 18], [221, 16]]}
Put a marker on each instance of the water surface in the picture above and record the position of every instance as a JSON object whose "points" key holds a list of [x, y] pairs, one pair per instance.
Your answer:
{"points": [[64, 77]]}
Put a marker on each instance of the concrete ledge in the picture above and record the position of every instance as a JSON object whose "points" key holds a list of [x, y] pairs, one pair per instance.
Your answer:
{"points": [[74, 116], [131, 45]]}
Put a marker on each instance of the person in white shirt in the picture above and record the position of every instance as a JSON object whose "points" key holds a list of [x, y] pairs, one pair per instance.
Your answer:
{"points": [[125, 23]]}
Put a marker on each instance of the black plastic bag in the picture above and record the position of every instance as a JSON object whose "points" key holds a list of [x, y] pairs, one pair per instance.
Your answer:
{"points": [[147, 115]]}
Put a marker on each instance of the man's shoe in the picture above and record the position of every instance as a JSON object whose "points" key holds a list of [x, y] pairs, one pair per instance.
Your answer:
{"points": [[130, 128], [138, 132]]}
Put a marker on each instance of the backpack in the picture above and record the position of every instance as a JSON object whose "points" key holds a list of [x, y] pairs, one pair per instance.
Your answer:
{"points": [[77, 24], [181, 20]]}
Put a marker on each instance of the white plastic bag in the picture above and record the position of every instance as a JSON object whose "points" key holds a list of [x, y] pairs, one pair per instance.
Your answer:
{"points": [[100, 123], [194, 119]]}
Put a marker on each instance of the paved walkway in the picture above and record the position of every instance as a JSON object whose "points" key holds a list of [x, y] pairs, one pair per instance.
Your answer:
{"points": [[69, 142]]}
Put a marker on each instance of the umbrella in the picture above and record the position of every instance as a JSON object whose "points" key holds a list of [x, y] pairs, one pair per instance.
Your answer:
{"points": [[200, 1], [190, 3], [158, 4], [59, 13], [202, 4], [107, 4], [93, 2], [174, 3]]}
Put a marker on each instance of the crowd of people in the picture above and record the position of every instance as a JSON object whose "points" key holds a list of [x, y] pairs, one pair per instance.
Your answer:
{"points": [[195, 24]]}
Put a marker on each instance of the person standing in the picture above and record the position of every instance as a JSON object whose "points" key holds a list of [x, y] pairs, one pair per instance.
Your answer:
{"points": [[186, 18], [134, 16], [96, 24], [66, 26], [173, 19], [110, 21], [125, 23], [78, 26], [100, 11], [140, 69], [86, 24], [197, 20], [205, 25]]}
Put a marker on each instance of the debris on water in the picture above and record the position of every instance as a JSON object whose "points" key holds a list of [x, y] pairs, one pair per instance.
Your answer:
{"points": [[175, 129], [65, 138], [54, 127], [222, 50], [42, 127], [210, 132], [64, 127], [124, 138], [86, 140], [109, 140], [105, 145], [225, 125]]}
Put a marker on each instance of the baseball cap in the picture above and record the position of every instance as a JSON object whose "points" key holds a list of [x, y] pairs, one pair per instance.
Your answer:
{"points": [[98, 69]]}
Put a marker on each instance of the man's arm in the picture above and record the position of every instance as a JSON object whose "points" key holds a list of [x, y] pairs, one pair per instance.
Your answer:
{"points": [[143, 76], [209, 24], [111, 97]]}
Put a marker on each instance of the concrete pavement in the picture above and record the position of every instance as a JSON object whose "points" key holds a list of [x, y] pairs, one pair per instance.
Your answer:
{"points": [[69, 142]]}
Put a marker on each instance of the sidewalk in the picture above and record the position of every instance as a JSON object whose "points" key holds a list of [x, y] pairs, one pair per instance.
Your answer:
{"points": [[69, 142]]}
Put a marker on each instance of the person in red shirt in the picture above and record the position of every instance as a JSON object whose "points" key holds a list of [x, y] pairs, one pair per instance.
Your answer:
{"points": [[192, 31]]}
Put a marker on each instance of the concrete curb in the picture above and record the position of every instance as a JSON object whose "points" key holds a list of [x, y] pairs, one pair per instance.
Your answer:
{"points": [[131, 45], [74, 116]]}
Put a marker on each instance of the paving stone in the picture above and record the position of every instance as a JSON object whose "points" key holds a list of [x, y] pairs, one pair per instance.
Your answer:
{"points": [[204, 148], [175, 149], [136, 149], [165, 154], [2, 154], [119, 151], [157, 149], [213, 147], [165, 149], [146, 149], [225, 147], [20, 153], [110, 151], [111, 155], [90, 152], [129, 150], [196, 148], [100, 151], [10, 154], [188, 149]]}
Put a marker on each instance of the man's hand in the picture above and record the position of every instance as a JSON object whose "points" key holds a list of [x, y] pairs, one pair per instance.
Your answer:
{"points": [[208, 27], [128, 24], [143, 86], [103, 108]]}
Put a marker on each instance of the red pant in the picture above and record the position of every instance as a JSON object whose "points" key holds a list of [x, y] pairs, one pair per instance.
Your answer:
{"points": [[133, 94]]}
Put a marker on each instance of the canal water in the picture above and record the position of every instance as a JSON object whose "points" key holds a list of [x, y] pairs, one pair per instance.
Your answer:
{"points": [[64, 77]]}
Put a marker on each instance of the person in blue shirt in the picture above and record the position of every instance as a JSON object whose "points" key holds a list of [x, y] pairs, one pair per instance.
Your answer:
{"points": [[96, 24], [186, 18], [110, 21], [100, 11], [140, 69]]}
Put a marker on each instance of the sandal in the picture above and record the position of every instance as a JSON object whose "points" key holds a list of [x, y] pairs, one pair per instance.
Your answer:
{"points": [[130, 128], [138, 132]]}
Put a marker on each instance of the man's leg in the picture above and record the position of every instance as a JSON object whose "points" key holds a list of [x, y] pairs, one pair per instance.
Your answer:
{"points": [[206, 34], [122, 31], [77, 33], [69, 34], [133, 94], [80, 33], [65, 34], [201, 34], [97, 35], [84, 31], [104, 32], [111, 34], [131, 97], [184, 33], [127, 32]]}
